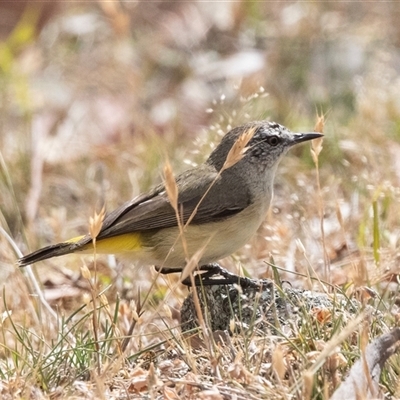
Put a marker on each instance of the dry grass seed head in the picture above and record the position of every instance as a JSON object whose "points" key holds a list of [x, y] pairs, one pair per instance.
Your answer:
{"points": [[319, 125], [316, 144], [104, 302], [239, 148], [278, 362], [96, 222], [170, 185], [85, 272], [308, 378], [134, 313]]}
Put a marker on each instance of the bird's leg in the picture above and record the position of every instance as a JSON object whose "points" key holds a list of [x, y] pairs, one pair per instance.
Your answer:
{"points": [[206, 274], [166, 271], [214, 269]]}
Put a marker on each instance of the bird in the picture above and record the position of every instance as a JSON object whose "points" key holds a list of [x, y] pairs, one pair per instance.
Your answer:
{"points": [[221, 204]]}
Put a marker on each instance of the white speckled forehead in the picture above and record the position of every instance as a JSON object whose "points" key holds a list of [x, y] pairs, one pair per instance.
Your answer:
{"points": [[272, 128]]}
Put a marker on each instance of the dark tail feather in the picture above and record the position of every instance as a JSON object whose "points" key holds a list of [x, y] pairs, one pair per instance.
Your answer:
{"points": [[54, 250]]}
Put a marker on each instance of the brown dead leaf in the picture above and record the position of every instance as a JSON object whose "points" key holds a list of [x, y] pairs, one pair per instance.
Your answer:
{"points": [[239, 372], [322, 315], [170, 393], [138, 382]]}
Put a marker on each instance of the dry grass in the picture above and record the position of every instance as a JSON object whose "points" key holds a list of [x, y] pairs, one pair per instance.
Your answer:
{"points": [[90, 108]]}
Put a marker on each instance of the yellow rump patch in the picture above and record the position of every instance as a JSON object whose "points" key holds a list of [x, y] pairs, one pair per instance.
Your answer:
{"points": [[120, 244], [126, 243]]}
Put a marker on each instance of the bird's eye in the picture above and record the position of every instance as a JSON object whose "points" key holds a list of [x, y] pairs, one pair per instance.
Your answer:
{"points": [[273, 140]]}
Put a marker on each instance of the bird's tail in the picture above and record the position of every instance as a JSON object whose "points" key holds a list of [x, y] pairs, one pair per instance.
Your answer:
{"points": [[129, 242], [54, 250]]}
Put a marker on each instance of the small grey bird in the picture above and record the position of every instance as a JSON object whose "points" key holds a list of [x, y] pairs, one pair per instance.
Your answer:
{"points": [[228, 205]]}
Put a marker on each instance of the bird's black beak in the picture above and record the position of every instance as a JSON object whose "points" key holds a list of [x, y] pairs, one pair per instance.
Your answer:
{"points": [[303, 137]]}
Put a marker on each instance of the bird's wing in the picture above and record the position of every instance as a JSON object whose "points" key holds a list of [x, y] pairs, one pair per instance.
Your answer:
{"points": [[154, 211]]}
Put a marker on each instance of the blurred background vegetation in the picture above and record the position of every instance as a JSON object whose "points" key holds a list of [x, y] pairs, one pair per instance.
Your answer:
{"points": [[94, 96]]}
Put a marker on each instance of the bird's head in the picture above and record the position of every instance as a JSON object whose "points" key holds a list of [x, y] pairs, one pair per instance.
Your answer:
{"points": [[268, 142]]}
